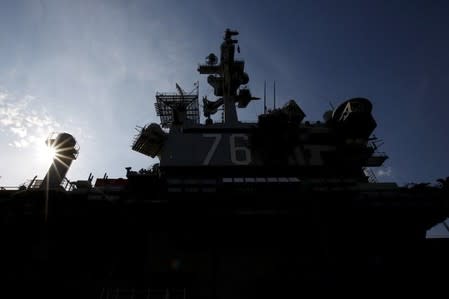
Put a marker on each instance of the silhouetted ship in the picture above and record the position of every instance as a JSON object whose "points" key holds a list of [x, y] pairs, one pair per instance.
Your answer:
{"points": [[281, 207]]}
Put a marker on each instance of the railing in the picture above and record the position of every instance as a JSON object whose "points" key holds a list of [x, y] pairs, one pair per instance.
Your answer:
{"points": [[10, 188], [67, 185], [370, 174]]}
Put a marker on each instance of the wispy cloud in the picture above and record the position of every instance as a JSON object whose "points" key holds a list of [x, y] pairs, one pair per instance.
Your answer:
{"points": [[24, 125], [385, 172], [3, 96]]}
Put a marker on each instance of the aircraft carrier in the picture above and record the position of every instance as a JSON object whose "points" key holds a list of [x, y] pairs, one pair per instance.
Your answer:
{"points": [[278, 208]]}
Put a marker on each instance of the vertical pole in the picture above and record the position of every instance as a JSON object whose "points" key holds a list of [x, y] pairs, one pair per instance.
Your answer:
{"points": [[265, 96], [274, 94]]}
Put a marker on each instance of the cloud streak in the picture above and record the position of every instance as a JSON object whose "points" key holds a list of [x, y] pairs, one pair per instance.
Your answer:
{"points": [[23, 125]]}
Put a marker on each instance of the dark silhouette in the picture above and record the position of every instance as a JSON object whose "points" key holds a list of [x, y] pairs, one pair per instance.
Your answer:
{"points": [[278, 208]]}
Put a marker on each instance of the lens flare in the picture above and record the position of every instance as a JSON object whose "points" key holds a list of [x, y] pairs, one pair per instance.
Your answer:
{"points": [[46, 153]]}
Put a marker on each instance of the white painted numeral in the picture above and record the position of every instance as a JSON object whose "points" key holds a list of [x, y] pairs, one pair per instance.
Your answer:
{"points": [[245, 157], [213, 148]]}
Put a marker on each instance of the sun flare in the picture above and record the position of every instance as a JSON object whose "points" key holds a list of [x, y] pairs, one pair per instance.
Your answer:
{"points": [[46, 153]]}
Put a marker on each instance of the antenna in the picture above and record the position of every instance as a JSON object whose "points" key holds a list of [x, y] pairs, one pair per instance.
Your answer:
{"points": [[180, 104], [265, 96], [181, 92], [274, 94]]}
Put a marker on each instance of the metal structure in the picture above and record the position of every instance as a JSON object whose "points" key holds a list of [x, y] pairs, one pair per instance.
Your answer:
{"points": [[276, 208], [66, 150], [174, 108]]}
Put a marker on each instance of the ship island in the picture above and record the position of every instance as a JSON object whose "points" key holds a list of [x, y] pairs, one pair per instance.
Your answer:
{"points": [[277, 208]]}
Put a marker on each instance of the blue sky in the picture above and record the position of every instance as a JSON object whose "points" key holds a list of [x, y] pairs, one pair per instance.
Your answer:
{"points": [[92, 68]]}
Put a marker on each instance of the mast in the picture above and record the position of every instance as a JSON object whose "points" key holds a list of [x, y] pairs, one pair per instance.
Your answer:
{"points": [[227, 61], [226, 77]]}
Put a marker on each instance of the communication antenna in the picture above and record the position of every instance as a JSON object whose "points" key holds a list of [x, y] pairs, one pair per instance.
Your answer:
{"points": [[274, 94], [181, 92], [265, 96]]}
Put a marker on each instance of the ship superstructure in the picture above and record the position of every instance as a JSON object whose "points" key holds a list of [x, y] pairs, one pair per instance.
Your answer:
{"points": [[280, 144], [274, 208]]}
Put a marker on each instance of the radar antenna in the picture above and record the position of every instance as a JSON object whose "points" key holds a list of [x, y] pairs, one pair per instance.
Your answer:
{"points": [[178, 108]]}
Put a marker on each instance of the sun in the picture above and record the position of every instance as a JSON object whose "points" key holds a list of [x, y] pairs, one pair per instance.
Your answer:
{"points": [[50, 153], [46, 153]]}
